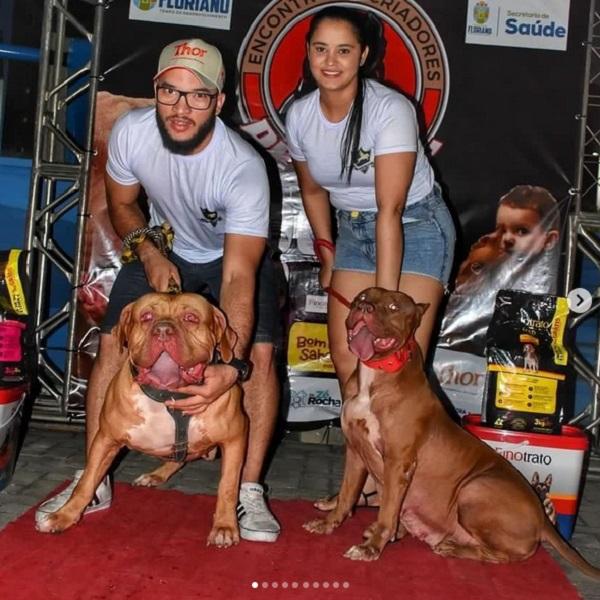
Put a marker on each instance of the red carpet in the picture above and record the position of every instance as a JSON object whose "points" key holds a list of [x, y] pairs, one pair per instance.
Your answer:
{"points": [[151, 545]]}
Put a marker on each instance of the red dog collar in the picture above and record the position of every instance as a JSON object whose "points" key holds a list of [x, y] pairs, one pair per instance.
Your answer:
{"points": [[394, 362]]}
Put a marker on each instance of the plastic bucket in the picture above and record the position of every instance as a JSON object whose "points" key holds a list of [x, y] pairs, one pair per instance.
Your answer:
{"points": [[10, 341], [542, 456], [11, 411]]}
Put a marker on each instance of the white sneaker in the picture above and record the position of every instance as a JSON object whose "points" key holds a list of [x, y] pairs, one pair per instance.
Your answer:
{"points": [[101, 500], [256, 522]]}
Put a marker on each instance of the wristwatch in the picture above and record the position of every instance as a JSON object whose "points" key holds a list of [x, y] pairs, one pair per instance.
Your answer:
{"points": [[244, 368]]}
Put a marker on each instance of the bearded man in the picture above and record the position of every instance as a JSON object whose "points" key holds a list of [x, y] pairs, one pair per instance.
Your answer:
{"points": [[211, 187]]}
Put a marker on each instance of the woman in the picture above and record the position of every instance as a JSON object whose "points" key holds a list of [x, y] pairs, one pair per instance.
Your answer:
{"points": [[355, 144]]}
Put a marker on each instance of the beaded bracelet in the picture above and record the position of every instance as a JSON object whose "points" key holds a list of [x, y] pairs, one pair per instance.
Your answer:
{"points": [[161, 236]]}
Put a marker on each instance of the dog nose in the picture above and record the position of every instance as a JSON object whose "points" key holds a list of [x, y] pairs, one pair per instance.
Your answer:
{"points": [[163, 329], [365, 307]]}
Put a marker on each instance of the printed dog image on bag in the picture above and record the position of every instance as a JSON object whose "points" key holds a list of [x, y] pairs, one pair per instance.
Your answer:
{"points": [[527, 362], [542, 489]]}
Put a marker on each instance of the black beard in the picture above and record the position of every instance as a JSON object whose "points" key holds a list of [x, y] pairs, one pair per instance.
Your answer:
{"points": [[185, 146]]}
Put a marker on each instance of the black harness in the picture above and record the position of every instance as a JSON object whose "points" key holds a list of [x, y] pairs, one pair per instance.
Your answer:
{"points": [[182, 421], [180, 446]]}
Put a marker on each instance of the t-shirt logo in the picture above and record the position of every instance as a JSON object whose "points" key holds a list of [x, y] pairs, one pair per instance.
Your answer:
{"points": [[362, 160], [210, 216]]}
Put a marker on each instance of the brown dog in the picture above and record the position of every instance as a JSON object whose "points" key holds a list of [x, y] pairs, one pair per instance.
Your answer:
{"points": [[170, 340], [435, 480]]}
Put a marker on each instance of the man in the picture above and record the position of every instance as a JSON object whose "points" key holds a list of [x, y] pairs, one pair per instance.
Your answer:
{"points": [[211, 187]]}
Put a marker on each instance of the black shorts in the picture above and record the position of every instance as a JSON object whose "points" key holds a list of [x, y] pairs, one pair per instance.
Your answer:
{"points": [[200, 278]]}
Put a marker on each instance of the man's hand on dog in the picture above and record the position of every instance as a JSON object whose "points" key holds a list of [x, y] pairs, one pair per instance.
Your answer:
{"points": [[160, 271], [218, 379]]}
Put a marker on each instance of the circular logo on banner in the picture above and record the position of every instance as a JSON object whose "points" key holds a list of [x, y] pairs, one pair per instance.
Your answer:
{"points": [[145, 4], [272, 53]]}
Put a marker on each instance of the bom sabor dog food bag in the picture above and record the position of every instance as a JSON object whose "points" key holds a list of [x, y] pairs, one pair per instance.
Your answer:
{"points": [[314, 393], [527, 362]]}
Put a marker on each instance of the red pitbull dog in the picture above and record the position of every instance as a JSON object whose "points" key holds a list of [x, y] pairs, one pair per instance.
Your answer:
{"points": [[436, 481], [169, 339]]}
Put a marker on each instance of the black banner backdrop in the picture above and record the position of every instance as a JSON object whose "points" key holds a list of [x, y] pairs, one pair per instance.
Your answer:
{"points": [[510, 113], [495, 116]]}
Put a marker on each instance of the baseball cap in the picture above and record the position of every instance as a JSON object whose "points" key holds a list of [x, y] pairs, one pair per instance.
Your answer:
{"points": [[197, 56]]}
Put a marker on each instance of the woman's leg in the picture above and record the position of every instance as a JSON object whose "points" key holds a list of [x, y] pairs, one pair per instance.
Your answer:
{"points": [[424, 289], [348, 284]]}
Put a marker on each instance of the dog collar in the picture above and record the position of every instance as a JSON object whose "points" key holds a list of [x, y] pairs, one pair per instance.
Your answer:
{"points": [[393, 362], [157, 394]]}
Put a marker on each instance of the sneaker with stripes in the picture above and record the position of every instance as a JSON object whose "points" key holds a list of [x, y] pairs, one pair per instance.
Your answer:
{"points": [[101, 500], [256, 522]]}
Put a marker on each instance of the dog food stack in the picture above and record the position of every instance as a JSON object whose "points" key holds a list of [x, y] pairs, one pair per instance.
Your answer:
{"points": [[13, 371], [13, 312], [314, 393], [527, 363]]}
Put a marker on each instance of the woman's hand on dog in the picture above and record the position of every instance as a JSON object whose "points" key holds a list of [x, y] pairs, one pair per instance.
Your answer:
{"points": [[218, 379]]}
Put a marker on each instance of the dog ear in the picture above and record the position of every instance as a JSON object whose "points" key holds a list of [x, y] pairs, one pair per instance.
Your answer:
{"points": [[548, 480], [226, 337], [422, 307], [121, 329], [536, 478]]}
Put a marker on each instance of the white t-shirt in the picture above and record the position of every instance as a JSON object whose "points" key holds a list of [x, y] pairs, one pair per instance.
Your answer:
{"points": [[203, 196], [389, 125]]}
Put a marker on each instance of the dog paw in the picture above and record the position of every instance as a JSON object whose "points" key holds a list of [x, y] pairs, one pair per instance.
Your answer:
{"points": [[362, 552], [211, 454], [321, 526], [55, 523], [223, 536], [148, 480]]}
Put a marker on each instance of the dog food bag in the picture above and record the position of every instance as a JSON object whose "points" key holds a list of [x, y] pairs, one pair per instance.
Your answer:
{"points": [[13, 282], [314, 392], [527, 363]]}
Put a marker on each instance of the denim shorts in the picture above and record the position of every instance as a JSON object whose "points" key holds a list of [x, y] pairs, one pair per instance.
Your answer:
{"points": [[429, 238], [201, 278]]}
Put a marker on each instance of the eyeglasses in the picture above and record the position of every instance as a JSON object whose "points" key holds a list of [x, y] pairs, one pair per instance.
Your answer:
{"points": [[195, 100]]}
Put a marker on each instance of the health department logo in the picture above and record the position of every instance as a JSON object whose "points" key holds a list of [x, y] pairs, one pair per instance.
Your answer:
{"points": [[481, 13], [145, 4], [271, 56]]}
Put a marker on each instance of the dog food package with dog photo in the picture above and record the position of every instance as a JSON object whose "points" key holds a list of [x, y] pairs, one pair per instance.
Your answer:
{"points": [[527, 379], [314, 393]]}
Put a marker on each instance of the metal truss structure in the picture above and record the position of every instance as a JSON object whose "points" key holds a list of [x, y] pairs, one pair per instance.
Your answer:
{"points": [[583, 239], [58, 192]]}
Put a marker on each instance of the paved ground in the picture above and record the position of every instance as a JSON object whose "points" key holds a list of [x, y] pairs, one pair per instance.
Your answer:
{"points": [[298, 470]]}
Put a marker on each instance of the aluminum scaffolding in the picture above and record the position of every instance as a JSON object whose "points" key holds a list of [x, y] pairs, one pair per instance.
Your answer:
{"points": [[583, 239], [59, 183]]}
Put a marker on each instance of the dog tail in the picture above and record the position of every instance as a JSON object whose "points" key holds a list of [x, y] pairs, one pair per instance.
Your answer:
{"points": [[566, 551]]}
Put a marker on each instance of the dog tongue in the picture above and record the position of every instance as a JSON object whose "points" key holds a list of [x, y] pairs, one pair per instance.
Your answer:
{"points": [[361, 343], [165, 372]]}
